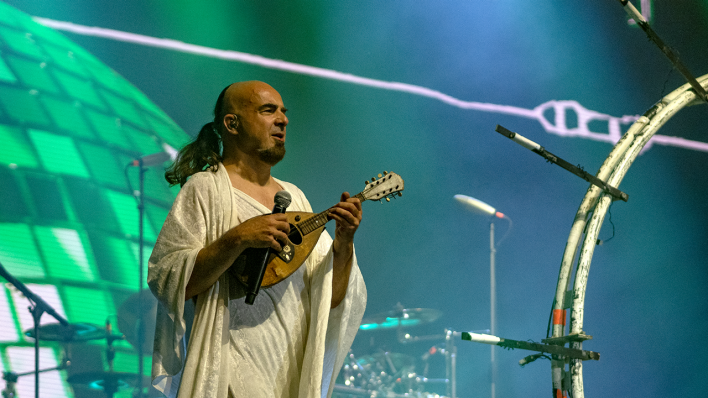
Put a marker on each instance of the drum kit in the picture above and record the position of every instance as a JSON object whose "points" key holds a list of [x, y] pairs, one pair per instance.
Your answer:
{"points": [[86, 376], [380, 373], [384, 373]]}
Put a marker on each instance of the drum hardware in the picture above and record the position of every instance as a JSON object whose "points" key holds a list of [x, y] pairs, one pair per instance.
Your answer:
{"points": [[12, 377], [37, 308]]}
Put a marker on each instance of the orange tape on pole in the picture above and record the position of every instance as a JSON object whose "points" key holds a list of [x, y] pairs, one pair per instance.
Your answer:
{"points": [[559, 317]]}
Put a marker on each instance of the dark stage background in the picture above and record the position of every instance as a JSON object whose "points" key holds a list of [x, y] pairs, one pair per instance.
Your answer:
{"points": [[647, 290]]}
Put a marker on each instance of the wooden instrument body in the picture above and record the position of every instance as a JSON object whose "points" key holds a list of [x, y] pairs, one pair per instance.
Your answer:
{"points": [[305, 231], [278, 269]]}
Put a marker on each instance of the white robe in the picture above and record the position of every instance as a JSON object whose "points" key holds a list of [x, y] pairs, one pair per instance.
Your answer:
{"points": [[204, 210]]}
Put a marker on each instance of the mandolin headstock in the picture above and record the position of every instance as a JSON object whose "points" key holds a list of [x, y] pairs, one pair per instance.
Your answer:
{"points": [[388, 185]]}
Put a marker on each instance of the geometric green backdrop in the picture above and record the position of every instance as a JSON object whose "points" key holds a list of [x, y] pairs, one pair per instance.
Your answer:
{"points": [[69, 125]]}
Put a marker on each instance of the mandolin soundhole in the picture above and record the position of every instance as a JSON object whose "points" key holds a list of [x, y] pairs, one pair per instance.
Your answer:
{"points": [[295, 236]]}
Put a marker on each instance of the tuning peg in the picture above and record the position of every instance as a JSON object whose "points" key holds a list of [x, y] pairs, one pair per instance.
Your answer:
{"points": [[400, 194], [385, 172], [373, 179], [380, 175], [367, 182], [388, 199]]}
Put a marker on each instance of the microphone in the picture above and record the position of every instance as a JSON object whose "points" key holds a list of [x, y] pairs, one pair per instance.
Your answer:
{"points": [[156, 159], [479, 207], [257, 269]]}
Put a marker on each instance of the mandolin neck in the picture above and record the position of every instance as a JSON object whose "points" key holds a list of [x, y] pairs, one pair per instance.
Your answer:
{"points": [[315, 222]]}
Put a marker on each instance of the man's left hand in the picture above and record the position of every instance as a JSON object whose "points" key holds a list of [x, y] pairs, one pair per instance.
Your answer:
{"points": [[347, 214]]}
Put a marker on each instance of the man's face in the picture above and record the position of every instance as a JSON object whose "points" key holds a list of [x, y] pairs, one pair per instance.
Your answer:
{"points": [[261, 123]]}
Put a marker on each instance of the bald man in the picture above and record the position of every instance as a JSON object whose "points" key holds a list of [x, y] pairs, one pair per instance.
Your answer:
{"points": [[293, 340]]}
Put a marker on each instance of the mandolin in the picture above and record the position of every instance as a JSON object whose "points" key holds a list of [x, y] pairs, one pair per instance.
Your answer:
{"points": [[305, 230]]}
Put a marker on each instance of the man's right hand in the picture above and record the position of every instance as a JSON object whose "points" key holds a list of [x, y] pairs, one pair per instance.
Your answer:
{"points": [[262, 231], [215, 259]]}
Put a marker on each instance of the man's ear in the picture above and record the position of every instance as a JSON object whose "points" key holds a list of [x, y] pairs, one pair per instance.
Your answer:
{"points": [[232, 122]]}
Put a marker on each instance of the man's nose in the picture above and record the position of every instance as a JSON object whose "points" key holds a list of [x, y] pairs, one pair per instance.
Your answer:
{"points": [[282, 120]]}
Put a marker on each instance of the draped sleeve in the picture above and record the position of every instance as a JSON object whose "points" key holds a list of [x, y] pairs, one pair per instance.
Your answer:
{"points": [[200, 214]]}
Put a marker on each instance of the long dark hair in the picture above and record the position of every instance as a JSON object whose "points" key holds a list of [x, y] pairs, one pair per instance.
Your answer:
{"points": [[203, 152]]}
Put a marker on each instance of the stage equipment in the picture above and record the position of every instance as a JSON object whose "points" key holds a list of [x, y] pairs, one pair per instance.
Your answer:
{"points": [[400, 317], [143, 163], [586, 227], [37, 308], [479, 207], [578, 171]]}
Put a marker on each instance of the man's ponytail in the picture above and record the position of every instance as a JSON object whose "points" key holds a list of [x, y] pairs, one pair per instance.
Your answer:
{"points": [[203, 152]]}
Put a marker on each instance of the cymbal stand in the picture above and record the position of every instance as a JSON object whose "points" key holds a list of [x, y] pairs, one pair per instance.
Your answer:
{"points": [[110, 386], [450, 352]]}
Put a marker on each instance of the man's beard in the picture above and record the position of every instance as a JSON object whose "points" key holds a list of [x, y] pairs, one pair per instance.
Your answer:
{"points": [[272, 155]]}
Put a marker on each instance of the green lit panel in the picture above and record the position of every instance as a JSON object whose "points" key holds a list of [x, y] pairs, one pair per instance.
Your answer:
{"points": [[67, 253], [127, 362], [156, 215], [8, 330], [22, 105], [68, 117], [43, 34], [109, 128], [15, 148], [18, 252], [126, 212], [117, 260], [81, 89], [145, 143], [124, 109], [7, 15], [51, 383], [58, 154], [22, 43], [156, 186], [103, 165], [48, 293], [12, 208], [65, 59], [33, 73], [90, 205], [5, 72], [47, 197], [87, 305], [169, 132]]}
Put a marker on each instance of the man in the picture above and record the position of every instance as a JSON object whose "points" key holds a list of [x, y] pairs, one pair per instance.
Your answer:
{"points": [[293, 340]]}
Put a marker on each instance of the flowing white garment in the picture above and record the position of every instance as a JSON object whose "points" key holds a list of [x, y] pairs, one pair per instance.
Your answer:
{"points": [[316, 338]]}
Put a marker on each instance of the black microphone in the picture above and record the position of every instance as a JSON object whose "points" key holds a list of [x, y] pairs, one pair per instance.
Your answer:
{"points": [[256, 270]]}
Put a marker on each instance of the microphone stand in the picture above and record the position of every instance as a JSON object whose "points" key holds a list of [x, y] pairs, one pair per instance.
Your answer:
{"points": [[493, 293], [141, 239], [37, 308]]}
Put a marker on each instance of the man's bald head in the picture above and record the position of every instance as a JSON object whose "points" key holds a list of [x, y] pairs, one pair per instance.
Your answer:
{"points": [[240, 96]]}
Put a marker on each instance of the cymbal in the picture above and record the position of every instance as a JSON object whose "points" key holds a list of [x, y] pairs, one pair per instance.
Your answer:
{"points": [[75, 332], [100, 380], [400, 318], [129, 314]]}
